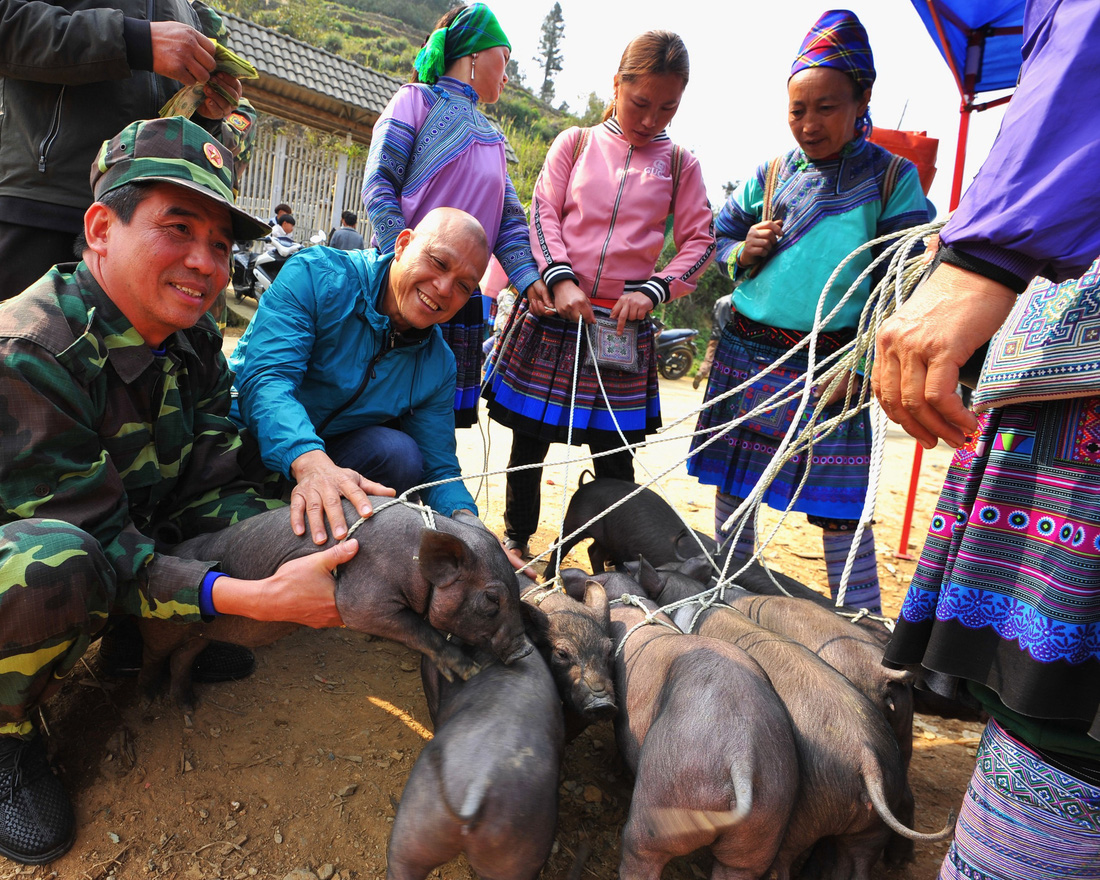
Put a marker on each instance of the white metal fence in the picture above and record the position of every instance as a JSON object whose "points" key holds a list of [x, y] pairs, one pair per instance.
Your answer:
{"points": [[318, 182]]}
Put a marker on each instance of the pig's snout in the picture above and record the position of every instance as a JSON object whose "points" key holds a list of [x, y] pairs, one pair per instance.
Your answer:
{"points": [[598, 700], [599, 708], [515, 649]]}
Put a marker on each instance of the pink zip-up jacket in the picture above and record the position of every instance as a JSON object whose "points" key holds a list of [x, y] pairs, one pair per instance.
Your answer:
{"points": [[600, 221]]}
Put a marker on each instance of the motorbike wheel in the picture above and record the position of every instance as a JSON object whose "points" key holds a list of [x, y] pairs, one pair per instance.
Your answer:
{"points": [[676, 362]]}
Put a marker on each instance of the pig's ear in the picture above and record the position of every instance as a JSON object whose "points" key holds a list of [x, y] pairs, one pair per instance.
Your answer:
{"points": [[443, 557], [628, 567], [535, 622], [697, 568], [648, 578], [595, 597]]}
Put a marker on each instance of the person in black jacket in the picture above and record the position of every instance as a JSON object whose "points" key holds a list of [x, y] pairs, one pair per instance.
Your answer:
{"points": [[72, 74], [720, 316], [346, 237]]}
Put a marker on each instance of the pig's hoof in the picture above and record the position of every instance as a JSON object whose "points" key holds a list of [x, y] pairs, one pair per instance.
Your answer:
{"points": [[467, 670], [149, 685], [461, 665], [184, 698]]}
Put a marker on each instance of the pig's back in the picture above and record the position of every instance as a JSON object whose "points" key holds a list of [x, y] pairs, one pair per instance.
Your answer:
{"points": [[505, 723]]}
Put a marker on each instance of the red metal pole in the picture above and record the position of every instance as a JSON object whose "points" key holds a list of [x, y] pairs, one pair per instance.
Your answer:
{"points": [[956, 193], [960, 153], [907, 521]]}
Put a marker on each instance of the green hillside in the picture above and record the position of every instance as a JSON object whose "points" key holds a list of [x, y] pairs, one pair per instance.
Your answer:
{"points": [[385, 35]]}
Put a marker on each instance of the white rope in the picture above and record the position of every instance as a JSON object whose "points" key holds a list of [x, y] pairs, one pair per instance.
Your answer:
{"points": [[651, 617], [542, 592], [653, 481], [902, 275], [498, 347], [426, 513], [839, 367], [569, 431]]}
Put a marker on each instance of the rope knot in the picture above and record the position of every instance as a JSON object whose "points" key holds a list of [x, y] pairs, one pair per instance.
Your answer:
{"points": [[542, 592], [636, 601]]}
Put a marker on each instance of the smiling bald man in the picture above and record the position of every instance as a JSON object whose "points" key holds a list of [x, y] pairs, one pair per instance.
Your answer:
{"points": [[344, 378]]}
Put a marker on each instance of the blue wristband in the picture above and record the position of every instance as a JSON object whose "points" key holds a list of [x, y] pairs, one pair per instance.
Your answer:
{"points": [[206, 598]]}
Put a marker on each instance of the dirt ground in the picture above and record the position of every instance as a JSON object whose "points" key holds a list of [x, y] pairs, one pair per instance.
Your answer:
{"points": [[297, 771]]}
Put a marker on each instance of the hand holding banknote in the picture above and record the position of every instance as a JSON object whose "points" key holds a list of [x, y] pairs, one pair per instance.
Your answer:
{"points": [[210, 72]]}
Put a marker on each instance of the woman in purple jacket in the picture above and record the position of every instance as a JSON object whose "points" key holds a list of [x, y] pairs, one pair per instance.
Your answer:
{"points": [[433, 147], [1004, 609]]}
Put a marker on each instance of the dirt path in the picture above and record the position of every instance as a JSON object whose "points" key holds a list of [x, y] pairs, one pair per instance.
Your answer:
{"points": [[300, 768]]}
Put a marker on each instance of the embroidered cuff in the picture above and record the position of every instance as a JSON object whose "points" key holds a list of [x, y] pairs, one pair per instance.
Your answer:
{"points": [[1012, 269], [206, 598], [556, 272], [734, 270]]}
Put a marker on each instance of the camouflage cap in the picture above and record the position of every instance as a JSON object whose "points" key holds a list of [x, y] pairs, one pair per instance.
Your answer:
{"points": [[174, 150]]}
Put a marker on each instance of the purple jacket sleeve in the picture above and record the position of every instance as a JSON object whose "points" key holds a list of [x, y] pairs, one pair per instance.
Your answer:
{"points": [[388, 161], [1032, 209]]}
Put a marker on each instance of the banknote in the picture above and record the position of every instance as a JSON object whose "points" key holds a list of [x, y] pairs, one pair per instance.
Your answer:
{"points": [[189, 98]]}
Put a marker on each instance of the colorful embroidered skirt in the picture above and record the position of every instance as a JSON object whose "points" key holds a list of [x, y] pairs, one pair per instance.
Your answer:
{"points": [[464, 333], [1007, 592], [1022, 819], [838, 472], [532, 388]]}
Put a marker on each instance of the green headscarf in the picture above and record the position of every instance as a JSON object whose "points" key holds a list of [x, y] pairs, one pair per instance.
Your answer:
{"points": [[474, 29]]}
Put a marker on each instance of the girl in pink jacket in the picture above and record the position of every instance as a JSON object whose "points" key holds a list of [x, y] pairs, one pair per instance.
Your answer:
{"points": [[598, 222]]}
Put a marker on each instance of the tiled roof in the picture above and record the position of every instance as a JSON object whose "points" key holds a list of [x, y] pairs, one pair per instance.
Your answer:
{"points": [[313, 86], [298, 64]]}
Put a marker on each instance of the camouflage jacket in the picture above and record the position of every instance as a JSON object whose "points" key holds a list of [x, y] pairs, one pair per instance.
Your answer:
{"points": [[133, 448]]}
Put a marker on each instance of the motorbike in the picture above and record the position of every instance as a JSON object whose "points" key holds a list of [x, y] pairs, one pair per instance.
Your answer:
{"points": [[244, 259], [267, 265], [675, 350], [254, 271]]}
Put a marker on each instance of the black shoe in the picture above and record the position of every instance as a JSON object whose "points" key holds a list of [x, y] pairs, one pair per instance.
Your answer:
{"points": [[36, 819], [120, 654], [223, 661]]}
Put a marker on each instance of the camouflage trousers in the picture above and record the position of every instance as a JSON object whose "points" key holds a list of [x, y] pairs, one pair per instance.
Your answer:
{"points": [[56, 590]]}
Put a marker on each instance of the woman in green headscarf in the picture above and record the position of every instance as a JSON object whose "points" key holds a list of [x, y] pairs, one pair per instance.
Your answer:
{"points": [[432, 146]]}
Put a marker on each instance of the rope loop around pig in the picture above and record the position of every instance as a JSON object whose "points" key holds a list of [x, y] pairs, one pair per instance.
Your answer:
{"points": [[426, 513], [544, 591], [650, 618]]}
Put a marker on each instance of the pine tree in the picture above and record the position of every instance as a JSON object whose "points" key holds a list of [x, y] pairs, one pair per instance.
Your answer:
{"points": [[593, 113], [515, 75], [553, 33]]}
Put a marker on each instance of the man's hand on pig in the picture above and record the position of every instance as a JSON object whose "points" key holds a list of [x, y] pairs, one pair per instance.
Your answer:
{"points": [[320, 484]]}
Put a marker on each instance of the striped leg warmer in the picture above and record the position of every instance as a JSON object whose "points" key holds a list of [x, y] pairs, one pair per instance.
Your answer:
{"points": [[724, 505], [863, 581]]}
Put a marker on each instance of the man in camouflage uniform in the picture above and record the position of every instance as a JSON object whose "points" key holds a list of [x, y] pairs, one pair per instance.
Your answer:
{"points": [[115, 443]]}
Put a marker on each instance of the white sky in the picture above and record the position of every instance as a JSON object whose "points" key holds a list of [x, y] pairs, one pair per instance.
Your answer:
{"points": [[733, 114]]}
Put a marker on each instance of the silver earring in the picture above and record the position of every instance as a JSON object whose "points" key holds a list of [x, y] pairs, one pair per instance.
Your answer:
{"points": [[473, 64]]}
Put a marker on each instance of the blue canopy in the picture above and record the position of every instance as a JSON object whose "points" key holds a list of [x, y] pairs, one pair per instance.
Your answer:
{"points": [[992, 27]]}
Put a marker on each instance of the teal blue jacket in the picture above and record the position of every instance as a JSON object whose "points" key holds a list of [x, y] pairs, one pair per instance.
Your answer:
{"points": [[305, 354]]}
